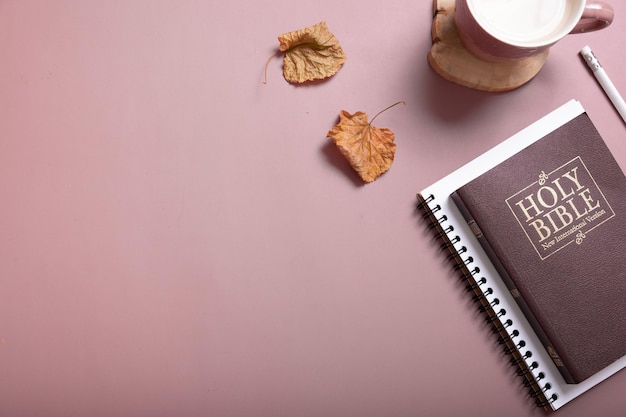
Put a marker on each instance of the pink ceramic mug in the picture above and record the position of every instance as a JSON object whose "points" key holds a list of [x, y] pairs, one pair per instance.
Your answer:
{"points": [[497, 30]]}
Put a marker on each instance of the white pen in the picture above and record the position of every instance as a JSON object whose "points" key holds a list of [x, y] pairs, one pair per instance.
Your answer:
{"points": [[605, 81]]}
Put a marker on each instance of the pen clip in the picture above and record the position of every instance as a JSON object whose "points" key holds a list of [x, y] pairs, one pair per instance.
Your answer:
{"points": [[590, 58]]}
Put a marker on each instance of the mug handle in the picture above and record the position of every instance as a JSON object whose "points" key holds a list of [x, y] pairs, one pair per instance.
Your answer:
{"points": [[597, 15]]}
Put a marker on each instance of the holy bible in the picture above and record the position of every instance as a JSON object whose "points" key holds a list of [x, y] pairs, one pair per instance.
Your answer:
{"points": [[552, 219]]}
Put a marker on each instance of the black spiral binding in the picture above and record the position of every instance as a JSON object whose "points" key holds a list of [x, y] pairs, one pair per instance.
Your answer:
{"points": [[501, 325]]}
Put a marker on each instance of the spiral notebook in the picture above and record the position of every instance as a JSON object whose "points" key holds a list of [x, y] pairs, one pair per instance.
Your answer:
{"points": [[534, 365]]}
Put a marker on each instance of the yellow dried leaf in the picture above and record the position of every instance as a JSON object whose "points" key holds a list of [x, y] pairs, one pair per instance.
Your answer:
{"points": [[369, 149], [312, 53]]}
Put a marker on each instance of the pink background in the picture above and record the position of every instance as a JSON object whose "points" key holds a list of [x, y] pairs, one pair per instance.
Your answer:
{"points": [[178, 238]]}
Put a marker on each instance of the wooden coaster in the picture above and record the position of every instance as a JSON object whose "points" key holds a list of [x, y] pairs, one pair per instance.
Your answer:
{"points": [[449, 58]]}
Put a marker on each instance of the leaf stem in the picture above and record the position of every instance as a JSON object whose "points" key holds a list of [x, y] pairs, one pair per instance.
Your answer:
{"points": [[267, 63], [385, 109]]}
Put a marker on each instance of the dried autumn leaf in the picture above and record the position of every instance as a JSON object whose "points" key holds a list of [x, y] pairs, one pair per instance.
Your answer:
{"points": [[312, 53], [369, 149]]}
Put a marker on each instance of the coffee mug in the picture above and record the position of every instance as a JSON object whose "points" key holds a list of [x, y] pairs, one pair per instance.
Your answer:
{"points": [[496, 30]]}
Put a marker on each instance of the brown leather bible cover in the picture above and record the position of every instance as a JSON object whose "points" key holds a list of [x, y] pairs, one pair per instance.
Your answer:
{"points": [[552, 218]]}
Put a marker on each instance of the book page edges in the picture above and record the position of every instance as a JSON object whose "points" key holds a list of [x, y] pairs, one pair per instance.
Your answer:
{"points": [[457, 198]]}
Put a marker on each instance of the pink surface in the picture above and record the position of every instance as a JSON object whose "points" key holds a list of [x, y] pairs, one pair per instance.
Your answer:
{"points": [[179, 239]]}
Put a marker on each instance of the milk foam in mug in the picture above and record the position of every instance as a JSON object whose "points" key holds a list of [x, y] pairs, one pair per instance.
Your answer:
{"points": [[496, 30]]}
